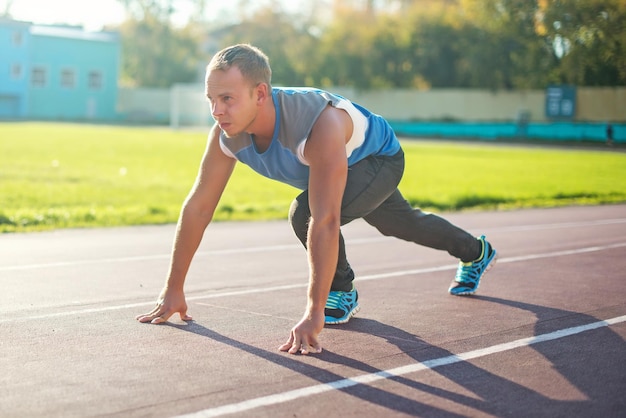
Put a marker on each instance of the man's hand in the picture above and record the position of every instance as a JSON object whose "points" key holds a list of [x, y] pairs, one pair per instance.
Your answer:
{"points": [[169, 303], [303, 337]]}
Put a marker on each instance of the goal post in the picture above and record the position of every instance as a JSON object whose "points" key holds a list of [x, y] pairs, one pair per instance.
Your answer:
{"points": [[189, 107]]}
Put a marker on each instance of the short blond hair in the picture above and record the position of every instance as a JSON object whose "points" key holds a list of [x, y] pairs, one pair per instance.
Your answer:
{"points": [[251, 61]]}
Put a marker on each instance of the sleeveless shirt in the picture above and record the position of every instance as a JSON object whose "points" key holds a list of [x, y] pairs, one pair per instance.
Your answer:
{"points": [[297, 109]]}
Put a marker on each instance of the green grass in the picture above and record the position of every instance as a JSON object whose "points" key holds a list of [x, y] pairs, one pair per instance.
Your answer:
{"points": [[67, 175], [455, 177]]}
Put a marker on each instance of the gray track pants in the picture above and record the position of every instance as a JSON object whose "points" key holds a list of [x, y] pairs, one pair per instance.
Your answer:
{"points": [[372, 194]]}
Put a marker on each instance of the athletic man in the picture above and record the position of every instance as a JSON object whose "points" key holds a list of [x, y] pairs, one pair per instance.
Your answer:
{"points": [[347, 161]]}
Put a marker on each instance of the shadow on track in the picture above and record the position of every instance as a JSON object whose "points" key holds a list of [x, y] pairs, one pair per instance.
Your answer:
{"points": [[591, 368], [366, 393], [574, 358]]}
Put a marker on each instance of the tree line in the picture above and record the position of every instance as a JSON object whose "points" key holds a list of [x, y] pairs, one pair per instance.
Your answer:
{"points": [[485, 44]]}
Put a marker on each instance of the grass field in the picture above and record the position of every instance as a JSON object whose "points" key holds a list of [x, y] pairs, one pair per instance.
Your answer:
{"points": [[56, 175]]}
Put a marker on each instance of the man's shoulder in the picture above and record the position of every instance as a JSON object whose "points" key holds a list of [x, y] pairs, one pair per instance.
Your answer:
{"points": [[306, 94], [296, 90], [303, 102]]}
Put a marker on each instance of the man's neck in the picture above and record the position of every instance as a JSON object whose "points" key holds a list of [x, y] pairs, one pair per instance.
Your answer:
{"points": [[264, 125]]}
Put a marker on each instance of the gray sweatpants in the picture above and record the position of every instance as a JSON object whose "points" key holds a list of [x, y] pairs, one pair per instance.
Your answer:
{"points": [[372, 194]]}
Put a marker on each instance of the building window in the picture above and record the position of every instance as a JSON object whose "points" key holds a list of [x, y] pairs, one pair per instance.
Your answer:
{"points": [[95, 80], [17, 38], [68, 78], [16, 72], [38, 77]]}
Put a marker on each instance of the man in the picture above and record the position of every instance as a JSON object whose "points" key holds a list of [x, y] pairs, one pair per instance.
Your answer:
{"points": [[347, 161]]}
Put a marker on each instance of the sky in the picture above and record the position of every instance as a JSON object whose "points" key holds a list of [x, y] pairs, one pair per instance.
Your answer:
{"points": [[91, 14]]}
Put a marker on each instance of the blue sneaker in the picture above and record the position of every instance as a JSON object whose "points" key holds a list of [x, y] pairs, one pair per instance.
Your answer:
{"points": [[468, 275], [341, 306]]}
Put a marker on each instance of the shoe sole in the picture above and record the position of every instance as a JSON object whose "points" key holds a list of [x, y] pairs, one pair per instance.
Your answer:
{"points": [[344, 319], [489, 266]]}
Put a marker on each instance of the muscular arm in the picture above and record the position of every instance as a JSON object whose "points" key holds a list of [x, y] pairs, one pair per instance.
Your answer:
{"points": [[326, 154], [196, 214]]}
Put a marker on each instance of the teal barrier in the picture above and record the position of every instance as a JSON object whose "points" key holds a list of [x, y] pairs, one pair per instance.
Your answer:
{"points": [[559, 131]]}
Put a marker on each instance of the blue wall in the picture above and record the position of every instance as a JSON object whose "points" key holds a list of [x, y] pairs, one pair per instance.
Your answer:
{"points": [[81, 56], [564, 131], [53, 51], [14, 47]]}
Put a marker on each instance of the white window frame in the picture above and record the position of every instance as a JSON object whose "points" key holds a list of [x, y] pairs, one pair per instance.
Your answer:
{"points": [[17, 71], [91, 85], [42, 70], [68, 72]]}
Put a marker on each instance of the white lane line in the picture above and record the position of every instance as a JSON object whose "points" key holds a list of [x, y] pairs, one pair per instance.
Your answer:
{"points": [[148, 257], [561, 225], [379, 276], [271, 248], [292, 395], [564, 253], [501, 260]]}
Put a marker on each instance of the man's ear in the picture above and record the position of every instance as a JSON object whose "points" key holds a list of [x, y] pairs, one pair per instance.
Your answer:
{"points": [[262, 93]]}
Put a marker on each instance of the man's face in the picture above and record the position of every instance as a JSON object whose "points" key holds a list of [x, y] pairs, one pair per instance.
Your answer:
{"points": [[233, 100]]}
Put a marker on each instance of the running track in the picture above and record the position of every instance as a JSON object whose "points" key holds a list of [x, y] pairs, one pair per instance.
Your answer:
{"points": [[544, 337]]}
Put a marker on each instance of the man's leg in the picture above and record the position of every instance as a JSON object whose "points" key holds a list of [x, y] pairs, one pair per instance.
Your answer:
{"points": [[395, 217], [299, 216], [372, 194], [370, 182]]}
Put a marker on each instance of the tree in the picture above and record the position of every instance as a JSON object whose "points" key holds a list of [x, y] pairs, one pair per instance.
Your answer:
{"points": [[511, 50], [345, 50], [155, 54], [389, 54], [435, 52], [494, 44], [590, 37], [288, 46]]}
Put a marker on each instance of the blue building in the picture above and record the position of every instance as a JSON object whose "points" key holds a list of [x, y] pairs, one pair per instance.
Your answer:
{"points": [[57, 72]]}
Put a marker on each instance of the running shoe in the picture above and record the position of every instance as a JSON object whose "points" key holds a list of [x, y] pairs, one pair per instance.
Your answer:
{"points": [[468, 275], [341, 306]]}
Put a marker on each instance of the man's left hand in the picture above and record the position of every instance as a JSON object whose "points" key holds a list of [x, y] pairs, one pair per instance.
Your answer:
{"points": [[303, 337]]}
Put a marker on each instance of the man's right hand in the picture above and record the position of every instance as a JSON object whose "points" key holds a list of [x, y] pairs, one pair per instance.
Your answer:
{"points": [[169, 303]]}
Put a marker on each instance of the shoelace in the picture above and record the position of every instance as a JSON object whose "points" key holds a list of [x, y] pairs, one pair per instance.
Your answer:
{"points": [[466, 273], [334, 300]]}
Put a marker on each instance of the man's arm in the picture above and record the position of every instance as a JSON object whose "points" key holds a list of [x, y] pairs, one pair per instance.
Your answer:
{"points": [[326, 154], [196, 214]]}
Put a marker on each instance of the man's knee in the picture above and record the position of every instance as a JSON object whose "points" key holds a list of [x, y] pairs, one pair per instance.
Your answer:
{"points": [[299, 212]]}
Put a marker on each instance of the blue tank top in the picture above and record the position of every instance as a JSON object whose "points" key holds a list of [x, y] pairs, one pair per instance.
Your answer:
{"points": [[297, 109]]}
